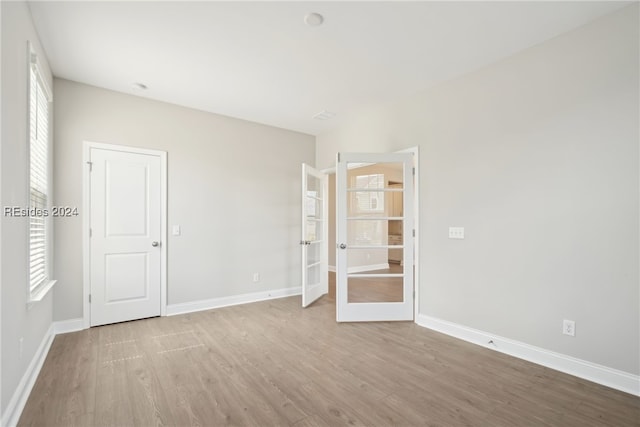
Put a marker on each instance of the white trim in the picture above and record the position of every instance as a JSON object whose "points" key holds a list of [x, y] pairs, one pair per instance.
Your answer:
{"points": [[416, 226], [66, 326], [329, 171], [603, 375], [12, 413], [361, 268], [34, 62], [41, 291], [86, 244], [164, 186], [190, 307], [1, 258], [86, 221]]}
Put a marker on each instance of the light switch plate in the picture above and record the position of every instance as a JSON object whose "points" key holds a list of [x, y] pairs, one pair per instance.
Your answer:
{"points": [[456, 232], [176, 230]]}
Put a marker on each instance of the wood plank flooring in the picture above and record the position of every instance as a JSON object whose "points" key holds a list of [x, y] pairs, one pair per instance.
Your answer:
{"points": [[275, 364], [374, 289]]}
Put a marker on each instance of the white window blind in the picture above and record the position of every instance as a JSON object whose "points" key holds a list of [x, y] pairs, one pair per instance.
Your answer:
{"points": [[39, 178]]}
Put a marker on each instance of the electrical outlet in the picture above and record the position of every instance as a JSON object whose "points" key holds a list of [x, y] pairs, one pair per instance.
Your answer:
{"points": [[569, 327], [256, 277]]}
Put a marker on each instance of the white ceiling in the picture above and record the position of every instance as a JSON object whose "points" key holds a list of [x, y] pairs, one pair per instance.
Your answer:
{"points": [[258, 60]]}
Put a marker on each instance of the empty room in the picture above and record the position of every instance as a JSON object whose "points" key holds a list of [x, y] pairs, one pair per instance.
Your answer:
{"points": [[320, 213]]}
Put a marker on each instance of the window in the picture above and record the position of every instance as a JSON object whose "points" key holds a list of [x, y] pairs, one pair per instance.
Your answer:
{"points": [[39, 188], [369, 200]]}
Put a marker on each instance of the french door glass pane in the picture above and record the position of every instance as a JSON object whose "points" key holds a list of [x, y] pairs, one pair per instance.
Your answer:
{"points": [[313, 274], [314, 253], [374, 289]]}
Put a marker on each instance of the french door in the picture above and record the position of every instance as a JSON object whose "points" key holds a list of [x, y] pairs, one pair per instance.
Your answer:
{"points": [[374, 268], [314, 235]]}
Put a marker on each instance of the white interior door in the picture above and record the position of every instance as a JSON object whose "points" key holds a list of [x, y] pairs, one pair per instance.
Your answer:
{"points": [[374, 268], [125, 245], [314, 235]]}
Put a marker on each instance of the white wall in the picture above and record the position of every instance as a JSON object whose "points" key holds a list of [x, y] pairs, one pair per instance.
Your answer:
{"points": [[234, 188], [537, 156], [18, 320]]}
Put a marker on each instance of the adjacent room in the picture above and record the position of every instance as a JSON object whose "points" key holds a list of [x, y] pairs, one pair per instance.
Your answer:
{"points": [[320, 213]]}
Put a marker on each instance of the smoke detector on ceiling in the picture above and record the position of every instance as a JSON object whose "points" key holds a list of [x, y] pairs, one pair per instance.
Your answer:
{"points": [[313, 19]]}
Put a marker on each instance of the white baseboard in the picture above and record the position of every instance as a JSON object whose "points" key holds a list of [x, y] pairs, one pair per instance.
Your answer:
{"points": [[190, 307], [606, 376], [66, 326], [362, 268], [12, 413]]}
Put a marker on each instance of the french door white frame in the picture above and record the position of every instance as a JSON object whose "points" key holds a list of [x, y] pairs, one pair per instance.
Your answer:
{"points": [[312, 292], [416, 223], [86, 222], [373, 311]]}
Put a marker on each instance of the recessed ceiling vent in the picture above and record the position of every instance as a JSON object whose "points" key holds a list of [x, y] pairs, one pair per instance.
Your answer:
{"points": [[324, 115]]}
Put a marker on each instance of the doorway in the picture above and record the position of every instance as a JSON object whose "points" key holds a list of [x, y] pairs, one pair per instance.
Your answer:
{"points": [[124, 233], [364, 213], [377, 267]]}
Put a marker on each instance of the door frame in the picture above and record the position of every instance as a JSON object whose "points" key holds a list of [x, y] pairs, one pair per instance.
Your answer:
{"points": [[416, 224], [86, 221]]}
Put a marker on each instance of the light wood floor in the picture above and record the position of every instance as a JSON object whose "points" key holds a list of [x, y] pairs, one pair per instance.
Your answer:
{"points": [[374, 289], [275, 364]]}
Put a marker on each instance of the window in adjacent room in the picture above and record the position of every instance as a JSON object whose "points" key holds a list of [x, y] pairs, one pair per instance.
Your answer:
{"points": [[40, 232], [368, 200]]}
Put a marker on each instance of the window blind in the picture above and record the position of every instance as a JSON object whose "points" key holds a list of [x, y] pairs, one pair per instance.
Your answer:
{"points": [[38, 180]]}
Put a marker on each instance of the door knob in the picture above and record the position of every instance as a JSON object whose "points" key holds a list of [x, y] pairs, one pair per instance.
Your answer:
{"points": [[342, 246], [154, 244]]}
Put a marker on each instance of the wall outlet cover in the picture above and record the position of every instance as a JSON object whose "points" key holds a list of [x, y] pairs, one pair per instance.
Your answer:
{"points": [[569, 327], [456, 232]]}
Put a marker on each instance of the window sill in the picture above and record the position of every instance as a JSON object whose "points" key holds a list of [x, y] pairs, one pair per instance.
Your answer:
{"points": [[41, 291]]}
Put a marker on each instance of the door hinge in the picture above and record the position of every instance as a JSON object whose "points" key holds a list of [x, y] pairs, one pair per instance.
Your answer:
{"points": [[90, 233], [89, 298], [90, 166], [413, 171], [338, 157], [414, 232]]}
